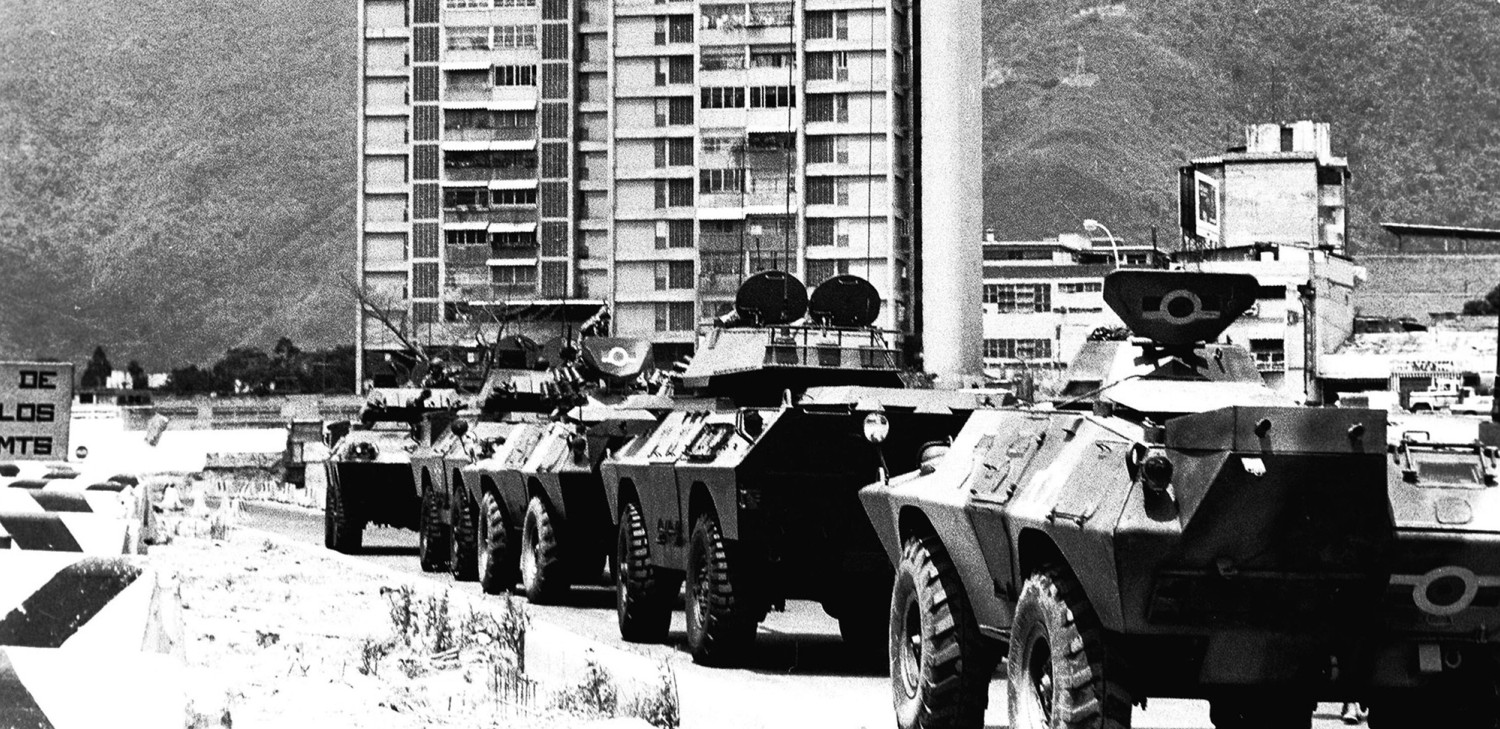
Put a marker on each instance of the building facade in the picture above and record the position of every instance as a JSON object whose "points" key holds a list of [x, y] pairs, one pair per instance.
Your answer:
{"points": [[529, 163], [1284, 187], [1042, 299]]}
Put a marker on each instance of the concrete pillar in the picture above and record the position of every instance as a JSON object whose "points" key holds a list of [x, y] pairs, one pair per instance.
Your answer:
{"points": [[951, 117]]}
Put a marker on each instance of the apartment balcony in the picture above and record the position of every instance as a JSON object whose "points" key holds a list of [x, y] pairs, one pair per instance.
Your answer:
{"points": [[466, 255], [509, 255], [470, 174], [1270, 361], [494, 134], [653, 7], [517, 214], [491, 292], [502, 97]]}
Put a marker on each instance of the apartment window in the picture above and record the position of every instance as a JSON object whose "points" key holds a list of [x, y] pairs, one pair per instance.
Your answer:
{"points": [[554, 42], [512, 240], [521, 196], [424, 243], [772, 97], [461, 4], [715, 58], [513, 276], [515, 36], [674, 316], [822, 24], [554, 279], [555, 120], [722, 97], [717, 181], [424, 201], [779, 58], [465, 237], [554, 197], [1080, 287], [673, 29], [820, 191], [674, 234], [424, 162], [828, 107], [674, 193], [821, 232], [424, 280], [424, 312], [1014, 298], [723, 144], [465, 197], [554, 238], [554, 160], [1018, 348], [555, 81], [425, 81], [819, 149], [551, 9], [722, 17], [820, 66], [841, 191], [674, 70], [820, 271], [769, 15], [674, 152], [426, 11], [468, 38], [519, 75], [425, 42], [674, 275], [680, 110]]}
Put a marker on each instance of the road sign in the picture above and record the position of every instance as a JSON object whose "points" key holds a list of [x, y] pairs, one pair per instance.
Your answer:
{"points": [[36, 405]]}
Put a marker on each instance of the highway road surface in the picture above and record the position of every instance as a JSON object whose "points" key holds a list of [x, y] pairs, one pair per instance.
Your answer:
{"points": [[800, 673]]}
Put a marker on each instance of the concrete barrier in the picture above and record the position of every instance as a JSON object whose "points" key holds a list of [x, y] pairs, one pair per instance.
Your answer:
{"points": [[91, 534], [70, 600]]}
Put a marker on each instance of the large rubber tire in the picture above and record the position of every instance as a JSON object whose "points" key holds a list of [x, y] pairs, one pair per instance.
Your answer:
{"points": [[1470, 699], [721, 614], [462, 556], [544, 573], [495, 553], [940, 664], [1269, 710], [1059, 670], [432, 535], [341, 531], [643, 593]]}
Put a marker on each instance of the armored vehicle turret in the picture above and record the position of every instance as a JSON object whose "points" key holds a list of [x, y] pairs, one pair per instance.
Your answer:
{"points": [[1173, 527], [747, 487], [369, 462]]}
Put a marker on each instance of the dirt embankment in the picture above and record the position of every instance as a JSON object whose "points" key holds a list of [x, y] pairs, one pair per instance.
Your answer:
{"points": [[299, 639]]}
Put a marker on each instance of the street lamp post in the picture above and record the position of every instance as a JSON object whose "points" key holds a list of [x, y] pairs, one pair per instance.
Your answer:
{"points": [[1114, 245]]}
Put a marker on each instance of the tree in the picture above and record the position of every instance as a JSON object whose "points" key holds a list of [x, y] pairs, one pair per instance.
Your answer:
{"points": [[1487, 306], [96, 373], [138, 379]]}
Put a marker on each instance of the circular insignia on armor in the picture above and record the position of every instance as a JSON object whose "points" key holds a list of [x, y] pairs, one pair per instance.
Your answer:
{"points": [[1181, 307], [618, 357], [1445, 591]]}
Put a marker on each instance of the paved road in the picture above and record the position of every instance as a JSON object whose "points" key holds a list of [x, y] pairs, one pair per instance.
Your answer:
{"points": [[800, 674]]}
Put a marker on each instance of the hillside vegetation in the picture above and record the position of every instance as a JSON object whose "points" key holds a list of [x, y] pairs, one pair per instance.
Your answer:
{"points": [[178, 179], [1410, 87]]}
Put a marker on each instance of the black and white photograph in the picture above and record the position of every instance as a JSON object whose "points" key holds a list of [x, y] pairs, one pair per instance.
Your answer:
{"points": [[702, 364]]}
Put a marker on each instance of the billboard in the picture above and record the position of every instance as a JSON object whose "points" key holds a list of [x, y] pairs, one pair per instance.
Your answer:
{"points": [[1207, 224], [36, 406]]}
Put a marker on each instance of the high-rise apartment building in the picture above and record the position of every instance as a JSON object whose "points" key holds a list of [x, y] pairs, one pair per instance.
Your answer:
{"points": [[527, 162]]}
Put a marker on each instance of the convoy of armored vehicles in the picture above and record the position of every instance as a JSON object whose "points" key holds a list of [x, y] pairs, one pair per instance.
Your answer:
{"points": [[1169, 527]]}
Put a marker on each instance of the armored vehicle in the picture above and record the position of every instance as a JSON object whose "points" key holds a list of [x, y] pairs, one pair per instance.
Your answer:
{"points": [[519, 486], [1175, 528], [747, 487], [369, 462]]}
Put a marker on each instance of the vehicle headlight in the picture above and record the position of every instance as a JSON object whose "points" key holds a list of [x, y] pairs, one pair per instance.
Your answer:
{"points": [[877, 427]]}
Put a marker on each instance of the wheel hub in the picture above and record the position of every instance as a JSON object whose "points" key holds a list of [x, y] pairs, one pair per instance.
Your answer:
{"points": [[1039, 670], [701, 586], [910, 647]]}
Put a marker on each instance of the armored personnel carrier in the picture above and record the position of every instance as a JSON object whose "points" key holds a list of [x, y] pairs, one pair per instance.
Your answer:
{"points": [[747, 487], [1175, 528], [369, 462], [516, 483]]}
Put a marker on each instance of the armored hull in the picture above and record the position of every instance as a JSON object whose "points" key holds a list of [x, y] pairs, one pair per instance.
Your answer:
{"points": [[1192, 535]]}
